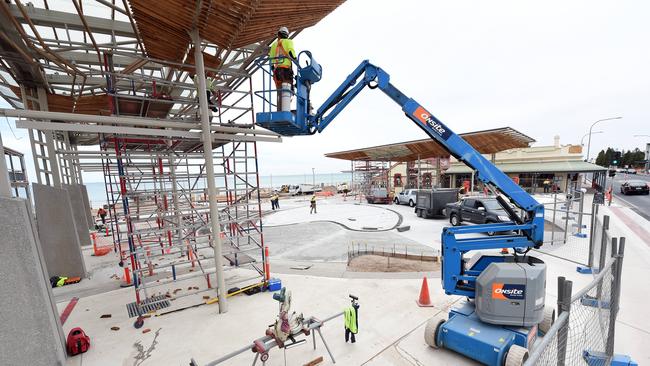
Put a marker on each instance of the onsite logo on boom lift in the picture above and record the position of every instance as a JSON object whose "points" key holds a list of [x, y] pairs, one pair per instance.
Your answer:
{"points": [[427, 119], [502, 291]]}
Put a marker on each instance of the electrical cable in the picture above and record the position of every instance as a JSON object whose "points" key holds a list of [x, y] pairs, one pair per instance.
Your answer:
{"points": [[12, 130]]}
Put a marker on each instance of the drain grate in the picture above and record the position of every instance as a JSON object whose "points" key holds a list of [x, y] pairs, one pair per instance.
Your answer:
{"points": [[151, 304]]}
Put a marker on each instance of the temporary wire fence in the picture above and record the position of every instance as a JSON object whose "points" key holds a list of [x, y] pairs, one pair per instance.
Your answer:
{"points": [[570, 223], [403, 252], [584, 331]]}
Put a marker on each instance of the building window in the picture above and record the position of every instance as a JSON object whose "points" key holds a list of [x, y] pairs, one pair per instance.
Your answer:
{"points": [[397, 180]]}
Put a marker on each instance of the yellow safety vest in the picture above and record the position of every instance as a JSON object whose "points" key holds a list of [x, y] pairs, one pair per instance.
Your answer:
{"points": [[350, 318], [313, 199], [209, 82], [61, 281], [282, 48]]}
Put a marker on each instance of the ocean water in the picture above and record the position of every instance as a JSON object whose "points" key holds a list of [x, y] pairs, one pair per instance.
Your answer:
{"points": [[97, 190]]}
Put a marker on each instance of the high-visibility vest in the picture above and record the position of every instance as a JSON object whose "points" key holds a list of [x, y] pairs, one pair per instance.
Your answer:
{"points": [[313, 199], [350, 318], [61, 281], [209, 82], [282, 47]]}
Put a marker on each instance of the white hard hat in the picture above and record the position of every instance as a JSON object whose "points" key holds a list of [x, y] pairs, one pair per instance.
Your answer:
{"points": [[284, 30]]}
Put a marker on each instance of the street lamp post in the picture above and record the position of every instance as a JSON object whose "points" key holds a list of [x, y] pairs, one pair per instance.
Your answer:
{"points": [[592, 126], [582, 140], [313, 176]]}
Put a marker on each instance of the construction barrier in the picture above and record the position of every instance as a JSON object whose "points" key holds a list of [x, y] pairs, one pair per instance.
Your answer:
{"points": [[584, 331]]}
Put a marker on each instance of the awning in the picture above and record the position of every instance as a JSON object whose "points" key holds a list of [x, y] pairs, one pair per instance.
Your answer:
{"points": [[536, 167], [485, 142]]}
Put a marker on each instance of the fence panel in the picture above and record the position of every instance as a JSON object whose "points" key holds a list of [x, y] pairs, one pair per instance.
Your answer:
{"points": [[584, 334]]}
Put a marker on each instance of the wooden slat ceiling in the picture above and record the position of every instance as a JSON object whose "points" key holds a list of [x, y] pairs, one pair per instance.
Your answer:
{"points": [[164, 26], [485, 142]]}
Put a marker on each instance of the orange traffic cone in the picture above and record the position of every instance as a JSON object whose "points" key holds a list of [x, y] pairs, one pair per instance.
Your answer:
{"points": [[425, 299], [504, 250]]}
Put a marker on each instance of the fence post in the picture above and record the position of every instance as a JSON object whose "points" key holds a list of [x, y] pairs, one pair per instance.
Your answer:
{"points": [[553, 221], [594, 217], [616, 294], [603, 243], [581, 205], [563, 304], [566, 216]]}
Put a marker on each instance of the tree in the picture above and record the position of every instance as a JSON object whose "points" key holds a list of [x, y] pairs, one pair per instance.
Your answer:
{"points": [[600, 159]]}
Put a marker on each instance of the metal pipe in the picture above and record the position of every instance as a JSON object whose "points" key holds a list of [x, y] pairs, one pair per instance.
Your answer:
{"points": [[209, 168], [5, 185]]}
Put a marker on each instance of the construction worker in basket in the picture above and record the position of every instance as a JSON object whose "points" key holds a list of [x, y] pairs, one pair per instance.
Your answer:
{"points": [[282, 54]]}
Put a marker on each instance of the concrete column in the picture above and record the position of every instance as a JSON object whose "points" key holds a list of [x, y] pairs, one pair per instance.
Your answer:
{"points": [[5, 183], [209, 172]]}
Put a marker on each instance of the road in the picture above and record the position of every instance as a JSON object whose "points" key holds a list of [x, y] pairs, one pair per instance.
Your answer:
{"points": [[639, 203]]}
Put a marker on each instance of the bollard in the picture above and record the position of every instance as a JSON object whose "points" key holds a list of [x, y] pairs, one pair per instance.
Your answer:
{"points": [[127, 276], [107, 234], [267, 264], [93, 237]]}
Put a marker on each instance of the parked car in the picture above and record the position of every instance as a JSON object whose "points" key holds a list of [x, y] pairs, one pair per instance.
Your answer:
{"points": [[407, 197], [304, 189], [634, 187], [378, 195], [432, 202], [477, 210]]}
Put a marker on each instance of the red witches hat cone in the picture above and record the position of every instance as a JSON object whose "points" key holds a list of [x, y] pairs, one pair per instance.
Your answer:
{"points": [[425, 299]]}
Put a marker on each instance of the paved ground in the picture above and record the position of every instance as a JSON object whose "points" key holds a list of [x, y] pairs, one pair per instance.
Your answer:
{"points": [[391, 325], [639, 203]]}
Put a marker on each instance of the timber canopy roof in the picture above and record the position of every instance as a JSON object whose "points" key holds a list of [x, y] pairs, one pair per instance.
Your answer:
{"points": [[485, 142]]}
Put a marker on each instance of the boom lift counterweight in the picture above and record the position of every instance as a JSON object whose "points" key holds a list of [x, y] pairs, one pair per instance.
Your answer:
{"points": [[510, 318]]}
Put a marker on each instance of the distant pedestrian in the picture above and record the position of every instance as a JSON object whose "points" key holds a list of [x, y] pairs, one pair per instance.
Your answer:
{"points": [[277, 200], [547, 186], [609, 196], [102, 215], [312, 205], [273, 201]]}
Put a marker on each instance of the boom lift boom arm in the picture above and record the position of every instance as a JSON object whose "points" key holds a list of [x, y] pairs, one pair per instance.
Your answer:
{"points": [[528, 230]]}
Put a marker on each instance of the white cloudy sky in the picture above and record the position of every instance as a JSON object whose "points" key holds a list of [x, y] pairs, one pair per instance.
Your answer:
{"points": [[544, 68]]}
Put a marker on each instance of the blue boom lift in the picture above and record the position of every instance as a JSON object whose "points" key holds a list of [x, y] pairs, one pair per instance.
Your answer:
{"points": [[505, 308]]}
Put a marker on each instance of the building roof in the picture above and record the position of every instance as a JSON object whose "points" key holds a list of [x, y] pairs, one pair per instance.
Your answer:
{"points": [[226, 23], [485, 142], [535, 167]]}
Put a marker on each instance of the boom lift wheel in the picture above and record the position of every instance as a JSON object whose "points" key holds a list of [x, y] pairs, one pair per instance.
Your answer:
{"points": [[431, 332], [516, 356], [548, 320]]}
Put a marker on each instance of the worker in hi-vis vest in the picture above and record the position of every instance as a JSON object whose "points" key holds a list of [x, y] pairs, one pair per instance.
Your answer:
{"points": [[351, 321], [282, 55]]}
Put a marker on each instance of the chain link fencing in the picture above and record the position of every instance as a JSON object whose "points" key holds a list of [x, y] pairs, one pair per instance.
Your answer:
{"points": [[574, 231], [584, 331]]}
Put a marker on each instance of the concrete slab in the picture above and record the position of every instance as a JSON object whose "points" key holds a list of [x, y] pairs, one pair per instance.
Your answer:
{"points": [[349, 214], [326, 241], [57, 232], [388, 312], [28, 316], [79, 212]]}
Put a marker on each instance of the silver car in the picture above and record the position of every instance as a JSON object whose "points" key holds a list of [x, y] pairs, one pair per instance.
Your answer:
{"points": [[407, 197]]}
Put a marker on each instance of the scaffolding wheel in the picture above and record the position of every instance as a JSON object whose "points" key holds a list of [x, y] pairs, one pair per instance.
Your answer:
{"points": [[138, 322], [264, 357]]}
